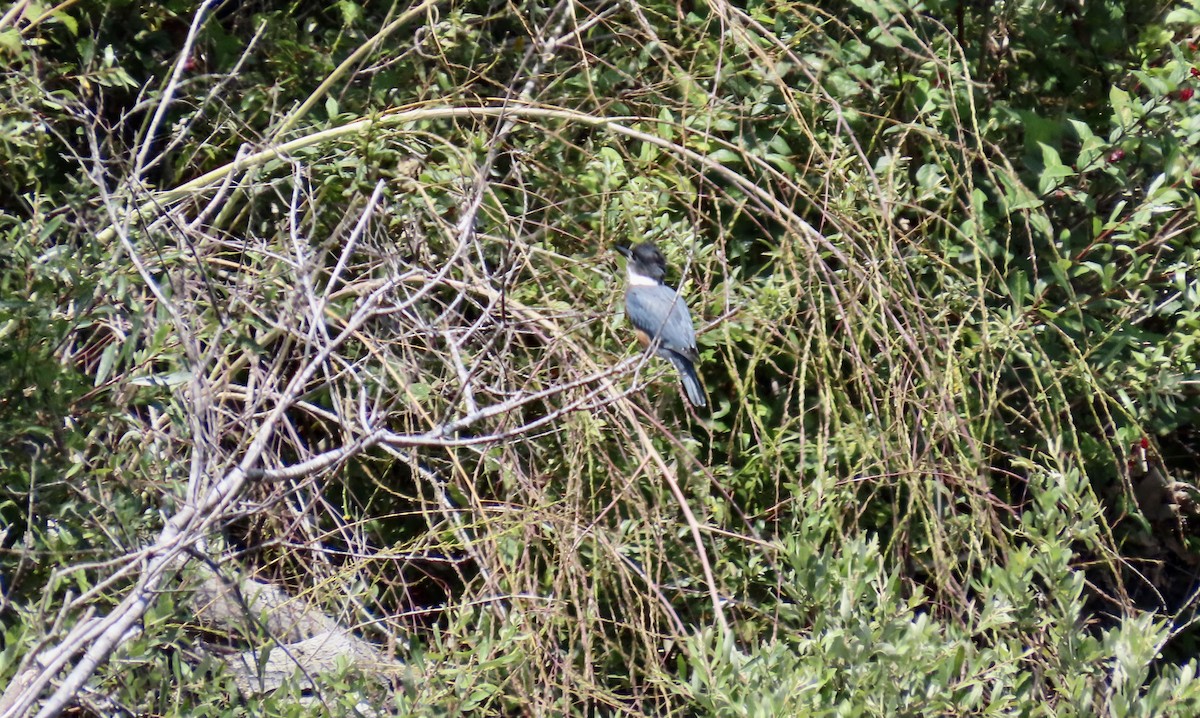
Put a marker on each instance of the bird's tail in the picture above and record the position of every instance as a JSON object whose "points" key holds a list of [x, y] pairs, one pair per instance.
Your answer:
{"points": [[691, 382]]}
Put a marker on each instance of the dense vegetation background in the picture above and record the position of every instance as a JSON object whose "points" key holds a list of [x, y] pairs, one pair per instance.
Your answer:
{"points": [[322, 293]]}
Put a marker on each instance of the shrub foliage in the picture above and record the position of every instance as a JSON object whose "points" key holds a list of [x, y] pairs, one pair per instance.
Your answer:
{"points": [[324, 293]]}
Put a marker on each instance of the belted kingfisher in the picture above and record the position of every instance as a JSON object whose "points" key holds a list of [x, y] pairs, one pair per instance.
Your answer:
{"points": [[660, 316]]}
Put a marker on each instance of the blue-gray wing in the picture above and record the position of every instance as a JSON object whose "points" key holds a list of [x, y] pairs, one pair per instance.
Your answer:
{"points": [[660, 312]]}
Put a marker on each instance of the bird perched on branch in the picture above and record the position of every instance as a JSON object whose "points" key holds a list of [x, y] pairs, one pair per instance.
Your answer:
{"points": [[660, 316]]}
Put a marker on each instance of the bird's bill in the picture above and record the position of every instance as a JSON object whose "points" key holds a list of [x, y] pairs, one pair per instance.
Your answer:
{"points": [[623, 250]]}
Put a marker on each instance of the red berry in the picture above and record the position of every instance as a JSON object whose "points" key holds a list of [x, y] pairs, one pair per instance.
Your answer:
{"points": [[1184, 94], [1116, 155], [1195, 72], [1145, 443]]}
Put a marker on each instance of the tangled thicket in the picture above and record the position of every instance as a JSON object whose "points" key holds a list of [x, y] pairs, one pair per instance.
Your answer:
{"points": [[321, 301]]}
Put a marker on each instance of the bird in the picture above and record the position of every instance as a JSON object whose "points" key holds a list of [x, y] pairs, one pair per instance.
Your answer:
{"points": [[660, 316]]}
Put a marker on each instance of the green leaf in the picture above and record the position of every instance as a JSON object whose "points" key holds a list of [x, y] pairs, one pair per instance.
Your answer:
{"points": [[351, 12], [1183, 16], [10, 41], [1119, 99], [107, 358], [725, 157], [1017, 196], [68, 21]]}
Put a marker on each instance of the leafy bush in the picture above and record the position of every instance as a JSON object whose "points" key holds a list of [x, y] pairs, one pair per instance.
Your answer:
{"points": [[325, 294]]}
